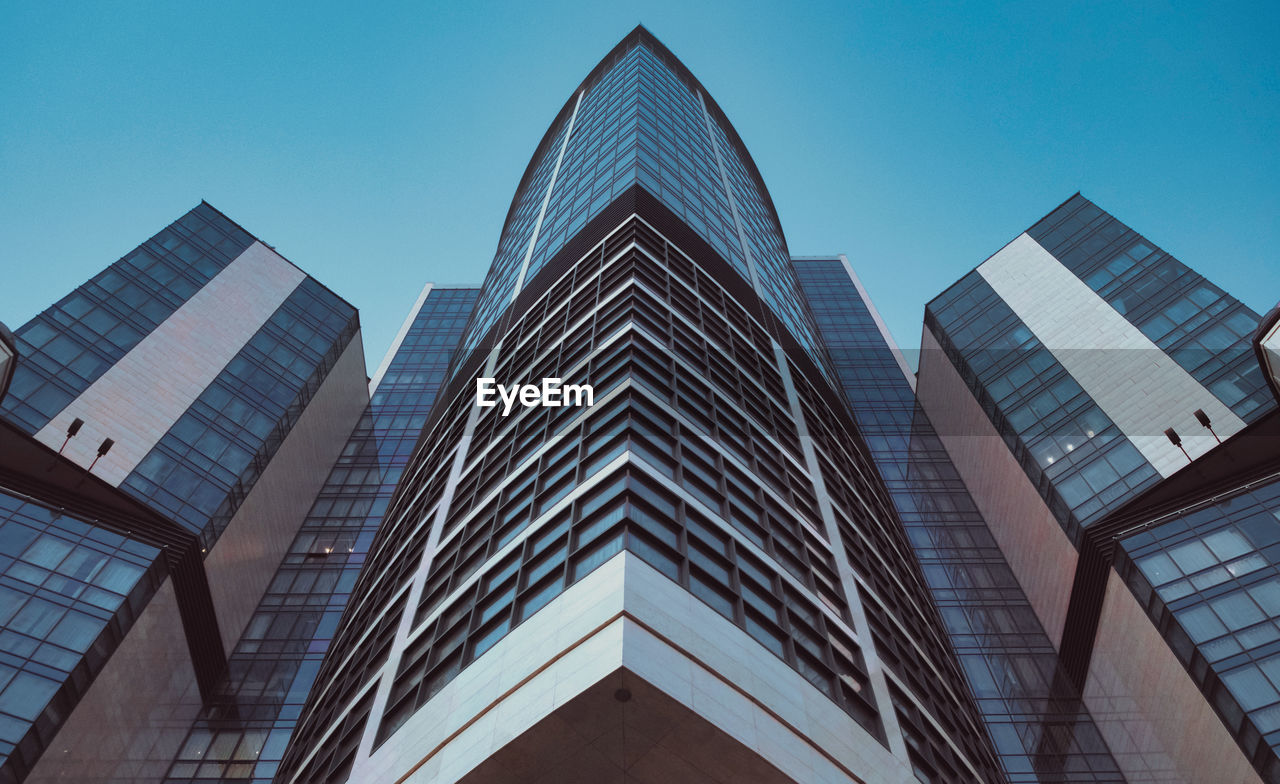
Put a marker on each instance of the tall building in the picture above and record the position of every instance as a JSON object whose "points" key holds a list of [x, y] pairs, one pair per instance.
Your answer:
{"points": [[699, 576], [709, 527], [1034, 714], [243, 728], [1108, 411], [167, 425]]}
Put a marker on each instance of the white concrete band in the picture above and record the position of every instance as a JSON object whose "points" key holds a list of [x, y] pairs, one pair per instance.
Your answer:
{"points": [[1140, 387], [546, 200], [140, 397]]}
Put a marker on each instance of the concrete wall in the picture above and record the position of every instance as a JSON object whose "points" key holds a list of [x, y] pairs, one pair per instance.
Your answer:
{"points": [[1158, 724], [627, 615], [244, 559]]}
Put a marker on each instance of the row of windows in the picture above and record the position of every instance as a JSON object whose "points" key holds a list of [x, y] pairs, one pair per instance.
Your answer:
{"points": [[1203, 329], [1210, 579], [880, 554], [1058, 425], [708, 410], [68, 346], [750, 367], [332, 764], [768, 248], [623, 137], [68, 593], [932, 759], [399, 552], [628, 511], [1075, 456], [451, 422], [1039, 729], [457, 561], [210, 458], [684, 288], [627, 424], [500, 282], [642, 121], [245, 728]]}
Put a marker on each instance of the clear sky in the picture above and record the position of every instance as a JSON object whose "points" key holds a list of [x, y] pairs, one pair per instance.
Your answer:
{"points": [[378, 146]]}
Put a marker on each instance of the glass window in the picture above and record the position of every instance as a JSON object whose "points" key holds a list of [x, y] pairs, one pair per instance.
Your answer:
{"points": [[1237, 610], [1192, 557], [26, 695], [1201, 623]]}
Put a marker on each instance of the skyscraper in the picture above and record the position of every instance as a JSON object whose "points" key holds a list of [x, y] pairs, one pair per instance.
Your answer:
{"points": [[698, 577], [1040, 727], [711, 528], [1106, 407], [166, 427], [242, 729]]}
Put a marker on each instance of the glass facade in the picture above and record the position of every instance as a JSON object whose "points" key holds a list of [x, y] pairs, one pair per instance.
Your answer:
{"points": [[74, 588], [68, 346], [718, 453], [642, 119], [1041, 730], [1205, 330], [1072, 452], [1210, 578], [242, 732], [1204, 574], [691, 460], [205, 465], [207, 462], [68, 593], [1069, 448]]}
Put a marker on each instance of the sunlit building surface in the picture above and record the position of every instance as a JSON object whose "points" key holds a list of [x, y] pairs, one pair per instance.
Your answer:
{"points": [[1109, 411], [242, 730], [162, 421]]}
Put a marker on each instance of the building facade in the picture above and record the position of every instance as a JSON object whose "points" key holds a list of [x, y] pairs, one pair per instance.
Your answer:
{"points": [[162, 421], [764, 549], [708, 546], [1041, 728], [1106, 406], [242, 731]]}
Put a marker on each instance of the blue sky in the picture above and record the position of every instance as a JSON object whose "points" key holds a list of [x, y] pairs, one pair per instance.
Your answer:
{"points": [[378, 148]]}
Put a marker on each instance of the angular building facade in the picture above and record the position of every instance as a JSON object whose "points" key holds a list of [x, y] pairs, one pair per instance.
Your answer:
{"points": [[164, 425], [243, 728], [701, 576], [1108, 410], [760, 547], [1034, 714]]}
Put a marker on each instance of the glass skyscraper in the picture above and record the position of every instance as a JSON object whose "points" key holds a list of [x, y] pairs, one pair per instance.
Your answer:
{"points": [[763, 548], [242, 731], [708, 545], [160, 420], [1107, 408], [1041, 729]]}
